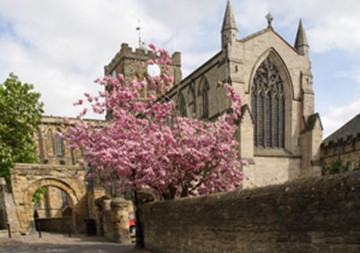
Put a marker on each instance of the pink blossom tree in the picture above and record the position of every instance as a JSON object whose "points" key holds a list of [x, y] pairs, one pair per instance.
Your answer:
{"points": [[145, 146]]}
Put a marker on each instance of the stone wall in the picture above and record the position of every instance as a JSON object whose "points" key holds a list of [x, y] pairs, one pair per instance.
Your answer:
{"points": [[310, 215], [58, 225], [132, 63], [347, 150], [50, 148], [95, 196], [113, 221]]}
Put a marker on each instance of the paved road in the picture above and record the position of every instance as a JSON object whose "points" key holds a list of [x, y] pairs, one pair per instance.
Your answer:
{"points": [[57, 243]]}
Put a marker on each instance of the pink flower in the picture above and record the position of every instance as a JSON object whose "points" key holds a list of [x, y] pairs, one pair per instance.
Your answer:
{"points": [[144, 146]]}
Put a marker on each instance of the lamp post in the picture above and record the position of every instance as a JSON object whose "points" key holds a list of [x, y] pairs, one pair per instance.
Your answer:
{"points": [[139, 244], [138, 229]]}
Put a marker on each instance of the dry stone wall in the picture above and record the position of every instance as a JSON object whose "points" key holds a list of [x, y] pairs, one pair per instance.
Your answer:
{"points": [[312, 215]]}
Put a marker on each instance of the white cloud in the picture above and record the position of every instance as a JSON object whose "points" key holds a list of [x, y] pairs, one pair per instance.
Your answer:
{"points": [[62, 46], [337, 117], [329, 24], [353, 74]]}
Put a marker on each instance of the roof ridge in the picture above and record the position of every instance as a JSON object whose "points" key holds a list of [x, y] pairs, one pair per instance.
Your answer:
{"points": [[345, 130]]}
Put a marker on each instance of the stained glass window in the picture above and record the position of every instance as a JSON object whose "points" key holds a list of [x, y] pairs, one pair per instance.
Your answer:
{"points": [[268, 106]]}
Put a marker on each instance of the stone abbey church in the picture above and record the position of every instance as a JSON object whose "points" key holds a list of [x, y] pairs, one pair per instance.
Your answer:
{"points": [[279, 133]]}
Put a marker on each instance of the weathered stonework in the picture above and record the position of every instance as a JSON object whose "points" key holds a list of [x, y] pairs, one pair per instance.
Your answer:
{"points": [[343, 144], [133, 64], [112, 217], [307, 215], [120, 220], [68, 200], [7, 208], [347, 150], [59, 225], [27, 178], [237, 64], [50, 148], [199, 96]]}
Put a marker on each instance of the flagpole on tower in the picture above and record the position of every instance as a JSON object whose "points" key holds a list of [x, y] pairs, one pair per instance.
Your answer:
{"points": [[138, 29]]}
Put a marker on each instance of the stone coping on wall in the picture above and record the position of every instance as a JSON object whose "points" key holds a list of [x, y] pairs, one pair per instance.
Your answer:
{"points": [[305, 215]]}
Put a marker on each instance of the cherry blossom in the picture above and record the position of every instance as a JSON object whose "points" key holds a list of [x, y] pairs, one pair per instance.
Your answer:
{"points": [[144, 145]]}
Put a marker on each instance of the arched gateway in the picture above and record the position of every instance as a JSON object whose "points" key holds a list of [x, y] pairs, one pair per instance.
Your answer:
{"points": [[27, 178]]}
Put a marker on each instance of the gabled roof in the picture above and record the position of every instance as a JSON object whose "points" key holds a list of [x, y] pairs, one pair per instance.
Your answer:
{"points": [[263, 31], [351, 128]]}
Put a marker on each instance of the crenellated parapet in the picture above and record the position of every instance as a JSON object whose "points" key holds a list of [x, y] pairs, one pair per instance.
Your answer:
{"points": [[343, 144], [132, 62], [347, 149]]}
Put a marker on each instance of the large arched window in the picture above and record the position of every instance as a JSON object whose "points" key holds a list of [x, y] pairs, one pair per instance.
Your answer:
{"points": [[268, 106], [203, 93]]}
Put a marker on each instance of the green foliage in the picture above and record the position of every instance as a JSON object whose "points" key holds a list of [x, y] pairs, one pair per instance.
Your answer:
{"points": [[20, 115], [38, 195], [337, 166]]}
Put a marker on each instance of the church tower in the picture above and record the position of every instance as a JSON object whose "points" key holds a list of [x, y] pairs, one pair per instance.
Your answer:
{"points": [[133, 64]]}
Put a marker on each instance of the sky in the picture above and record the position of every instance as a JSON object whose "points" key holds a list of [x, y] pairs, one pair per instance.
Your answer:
{"points": [[62, 46]]}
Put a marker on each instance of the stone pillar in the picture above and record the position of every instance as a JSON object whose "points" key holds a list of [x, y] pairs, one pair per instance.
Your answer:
{"points": [[7, 208], [120, 220], [106, 216]]}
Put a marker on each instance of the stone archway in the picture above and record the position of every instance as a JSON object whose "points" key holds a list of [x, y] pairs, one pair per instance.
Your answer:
{"points": [[46, 182], [27, 178]]}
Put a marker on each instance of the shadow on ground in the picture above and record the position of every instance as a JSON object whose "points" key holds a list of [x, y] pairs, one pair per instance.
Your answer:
{"points": [[59, 243]]}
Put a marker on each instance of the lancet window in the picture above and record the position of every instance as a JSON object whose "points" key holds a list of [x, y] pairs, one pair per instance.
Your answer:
{"points": [[191, 92], [203, 93], [182, 105], [59, 146]]}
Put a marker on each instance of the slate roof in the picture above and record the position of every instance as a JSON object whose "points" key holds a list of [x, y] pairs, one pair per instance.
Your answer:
{"points": [[351, 128]]}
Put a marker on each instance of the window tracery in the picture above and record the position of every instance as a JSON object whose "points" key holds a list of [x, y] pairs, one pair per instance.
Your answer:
{"points": [[268, 106]]}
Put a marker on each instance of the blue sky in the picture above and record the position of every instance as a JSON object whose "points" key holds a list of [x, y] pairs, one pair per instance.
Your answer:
{"points": [[62, 46]]}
